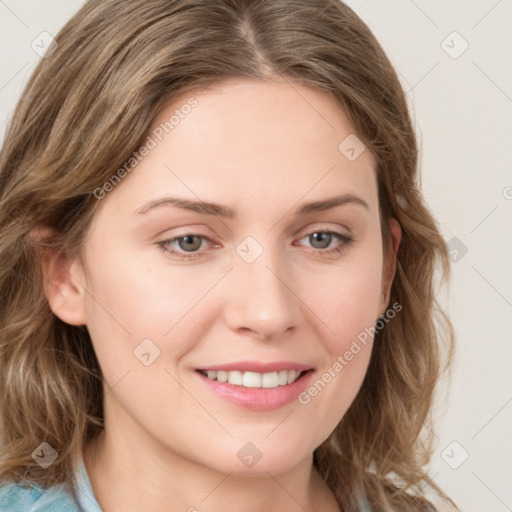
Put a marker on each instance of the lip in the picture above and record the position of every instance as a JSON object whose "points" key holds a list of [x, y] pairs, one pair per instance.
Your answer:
{"points": [[258, 366], [257, 399]]}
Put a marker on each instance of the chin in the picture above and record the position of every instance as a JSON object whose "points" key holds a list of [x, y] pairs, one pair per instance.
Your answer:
{"points": [[257, 459]]}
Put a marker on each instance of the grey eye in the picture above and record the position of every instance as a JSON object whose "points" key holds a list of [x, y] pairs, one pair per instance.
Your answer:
{"points": [[323, 238], [189, 243]]}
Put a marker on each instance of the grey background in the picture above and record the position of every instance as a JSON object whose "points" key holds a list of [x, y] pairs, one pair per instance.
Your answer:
{"points": [[462, 105]]}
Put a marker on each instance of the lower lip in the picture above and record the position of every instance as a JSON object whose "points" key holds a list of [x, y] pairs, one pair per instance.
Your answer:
{"points": [[259, 399]]}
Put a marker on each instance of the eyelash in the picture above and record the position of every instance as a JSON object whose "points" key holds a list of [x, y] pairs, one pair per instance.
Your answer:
{"points": [[164, 244]]}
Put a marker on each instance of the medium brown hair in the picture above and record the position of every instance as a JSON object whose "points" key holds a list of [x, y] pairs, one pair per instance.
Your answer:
{"points": [[90, 104]]}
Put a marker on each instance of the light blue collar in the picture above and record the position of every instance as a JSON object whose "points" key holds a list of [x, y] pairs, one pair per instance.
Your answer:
{"points": [[85, 493]]}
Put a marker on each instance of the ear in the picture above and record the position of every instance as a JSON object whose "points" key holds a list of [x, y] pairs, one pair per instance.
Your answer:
{"points": [[389, 267], [63, 279]]}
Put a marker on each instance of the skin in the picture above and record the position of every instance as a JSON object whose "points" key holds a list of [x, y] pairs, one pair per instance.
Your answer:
{"points": [[262, 148]]}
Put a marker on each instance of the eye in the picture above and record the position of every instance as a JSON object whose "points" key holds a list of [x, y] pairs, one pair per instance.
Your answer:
{"points": [[321, 240], [188, 243]]}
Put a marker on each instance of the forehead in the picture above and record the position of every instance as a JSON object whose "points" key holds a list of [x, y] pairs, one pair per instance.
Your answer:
{"points": [[265, 142], [240, 115]]}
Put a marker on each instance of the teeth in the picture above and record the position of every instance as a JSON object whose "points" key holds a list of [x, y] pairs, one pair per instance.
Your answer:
{"points": [[235, 378], [254, 379], [251, 380], [282, 378]]}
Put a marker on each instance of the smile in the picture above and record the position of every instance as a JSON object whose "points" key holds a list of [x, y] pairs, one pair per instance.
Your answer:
{"points": [[254, 379]]}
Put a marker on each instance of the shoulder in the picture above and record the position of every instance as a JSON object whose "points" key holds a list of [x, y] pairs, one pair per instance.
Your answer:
{"points": [[16, 498]]}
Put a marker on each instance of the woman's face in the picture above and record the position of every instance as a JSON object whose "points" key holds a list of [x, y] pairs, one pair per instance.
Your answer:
{"points": [[235, 279]]}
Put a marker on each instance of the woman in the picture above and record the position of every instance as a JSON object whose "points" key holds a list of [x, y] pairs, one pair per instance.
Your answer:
{"points": [[287, 359]]}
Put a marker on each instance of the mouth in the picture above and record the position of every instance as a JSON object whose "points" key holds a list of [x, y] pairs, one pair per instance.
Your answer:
{"points": [[256, 385], [256, 391], [250, 379]]}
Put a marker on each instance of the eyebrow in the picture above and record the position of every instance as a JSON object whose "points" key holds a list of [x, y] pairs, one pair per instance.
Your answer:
{"points": [[220, 210]]}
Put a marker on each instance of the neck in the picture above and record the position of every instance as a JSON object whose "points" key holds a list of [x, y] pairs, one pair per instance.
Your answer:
{"points": [[128, 478]]}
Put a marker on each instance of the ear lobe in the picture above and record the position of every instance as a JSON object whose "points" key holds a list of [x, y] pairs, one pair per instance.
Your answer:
{"points": [[62, 280], [390, 265]]}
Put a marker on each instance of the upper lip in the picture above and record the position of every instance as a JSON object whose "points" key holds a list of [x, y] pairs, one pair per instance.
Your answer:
{"points": [[258, 366]]}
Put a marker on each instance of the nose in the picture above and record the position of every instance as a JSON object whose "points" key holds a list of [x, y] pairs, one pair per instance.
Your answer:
{"points": [[262, 299]]}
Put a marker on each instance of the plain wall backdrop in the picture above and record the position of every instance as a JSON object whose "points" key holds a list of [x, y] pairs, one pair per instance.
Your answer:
{"points": [[454, 60]]}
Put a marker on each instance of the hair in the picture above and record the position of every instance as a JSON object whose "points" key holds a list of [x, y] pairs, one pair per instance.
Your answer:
{"points": [[89, 105]]}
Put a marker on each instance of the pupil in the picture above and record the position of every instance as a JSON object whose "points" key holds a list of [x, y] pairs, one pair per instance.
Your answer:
{"points": [[323, 238], [189, 240]]}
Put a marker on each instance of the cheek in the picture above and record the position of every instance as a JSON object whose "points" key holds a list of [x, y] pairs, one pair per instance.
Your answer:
{"points": [[346, 300], [129, 301], [345, 297]]}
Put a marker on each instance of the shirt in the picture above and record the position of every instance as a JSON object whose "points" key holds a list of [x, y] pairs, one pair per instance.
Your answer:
{"points": [[15, 498]]}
